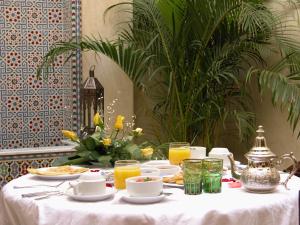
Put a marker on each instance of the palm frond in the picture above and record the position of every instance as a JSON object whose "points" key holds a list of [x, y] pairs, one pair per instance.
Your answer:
{"points": [[285, 92], [133, 61]]}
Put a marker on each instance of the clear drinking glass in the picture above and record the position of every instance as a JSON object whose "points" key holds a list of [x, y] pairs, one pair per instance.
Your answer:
{"points": [[125, 169], [212, 175], [192, 176], [178, 151]]}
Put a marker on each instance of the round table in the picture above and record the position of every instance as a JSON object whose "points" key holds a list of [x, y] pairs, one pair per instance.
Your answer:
{"points": [[231, 207]]}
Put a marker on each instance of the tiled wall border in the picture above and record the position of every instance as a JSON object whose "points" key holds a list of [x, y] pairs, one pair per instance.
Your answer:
{"points": [[33, 112], [14, 162]]}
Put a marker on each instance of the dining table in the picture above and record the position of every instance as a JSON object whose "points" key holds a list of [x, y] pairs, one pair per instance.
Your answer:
{"points": [[233, 206]]}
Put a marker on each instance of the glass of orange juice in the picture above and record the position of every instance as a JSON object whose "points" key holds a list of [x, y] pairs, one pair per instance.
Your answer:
{"points": [[178, 151], [125, 169]]}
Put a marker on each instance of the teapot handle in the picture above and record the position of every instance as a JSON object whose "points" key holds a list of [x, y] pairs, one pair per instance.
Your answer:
{"points": [[295, 167]]}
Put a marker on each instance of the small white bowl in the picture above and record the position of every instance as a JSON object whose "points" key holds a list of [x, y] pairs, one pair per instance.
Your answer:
{"points": [[220, 153], [150, 171], [166, 170], [151, 188], [157, 163]]}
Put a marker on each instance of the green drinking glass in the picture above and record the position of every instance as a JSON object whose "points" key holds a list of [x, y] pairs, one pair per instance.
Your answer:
{"points": [[192, 176], [212, 183], [212, 175]]}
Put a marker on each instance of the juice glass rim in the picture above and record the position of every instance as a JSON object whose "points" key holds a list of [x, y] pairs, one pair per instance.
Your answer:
{"points": [[126, 162], [179, 144]]}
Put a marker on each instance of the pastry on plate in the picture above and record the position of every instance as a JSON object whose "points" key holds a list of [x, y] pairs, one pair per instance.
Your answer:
{"points": [[59, 170], [176, 179]]}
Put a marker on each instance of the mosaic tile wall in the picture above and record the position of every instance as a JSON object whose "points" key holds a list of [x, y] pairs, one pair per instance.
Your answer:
{"points": [[16, 166], [33, 112]]}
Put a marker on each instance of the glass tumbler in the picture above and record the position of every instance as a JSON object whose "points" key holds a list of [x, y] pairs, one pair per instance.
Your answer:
{"points": [[178, 151], [192, 176], [212, 175], [124, 169]]}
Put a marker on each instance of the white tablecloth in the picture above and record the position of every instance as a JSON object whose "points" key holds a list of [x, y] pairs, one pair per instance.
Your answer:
{"points": [[231, 207]]}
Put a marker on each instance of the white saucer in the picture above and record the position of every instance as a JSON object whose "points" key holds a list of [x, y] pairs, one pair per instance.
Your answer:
{"points": [[142, 200], [91, 198]]}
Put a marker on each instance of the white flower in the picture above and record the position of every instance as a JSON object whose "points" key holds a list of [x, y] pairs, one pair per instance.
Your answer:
{"points": [[97, 129], [138, 131]]}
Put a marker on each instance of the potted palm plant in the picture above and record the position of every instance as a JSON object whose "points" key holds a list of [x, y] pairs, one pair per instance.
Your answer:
{"points": [[196, 58]]}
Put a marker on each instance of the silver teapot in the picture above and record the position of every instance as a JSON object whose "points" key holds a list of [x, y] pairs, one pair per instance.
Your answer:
{"points": [[261, 174]]}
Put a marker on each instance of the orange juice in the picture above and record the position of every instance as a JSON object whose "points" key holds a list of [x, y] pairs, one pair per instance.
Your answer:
{"points": [[123, 172], [177, 155]]}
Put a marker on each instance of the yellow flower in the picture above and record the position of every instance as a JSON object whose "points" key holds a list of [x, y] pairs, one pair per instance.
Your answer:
{"points": [[70, 134], [119, 122], [147, 152], [97, 120], [138, 131], [106, 141]]}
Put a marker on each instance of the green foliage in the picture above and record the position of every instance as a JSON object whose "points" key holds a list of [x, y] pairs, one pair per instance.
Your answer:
{"points": [[103, 150], [192, 58]]}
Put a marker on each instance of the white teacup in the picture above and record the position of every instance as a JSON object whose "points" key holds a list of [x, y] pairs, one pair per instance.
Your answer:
{"points": [[198, 152], [221, 153], [89, 183], [166, 170]]}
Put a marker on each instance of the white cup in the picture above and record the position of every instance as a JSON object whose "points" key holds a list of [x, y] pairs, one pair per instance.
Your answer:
{"points": [[198, 152], [89, 183], [220, 153]]}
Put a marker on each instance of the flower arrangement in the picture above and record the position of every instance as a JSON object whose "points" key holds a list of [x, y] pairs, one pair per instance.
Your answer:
{"points": [[104, 149]]}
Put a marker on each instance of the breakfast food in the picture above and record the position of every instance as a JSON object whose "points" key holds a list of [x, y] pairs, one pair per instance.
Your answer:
{"points": [[59, 170], [176, 179], [145, 179]]}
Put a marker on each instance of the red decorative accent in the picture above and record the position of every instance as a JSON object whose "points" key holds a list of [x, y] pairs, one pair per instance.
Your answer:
{"points": [[236, 184], [228, 180]]}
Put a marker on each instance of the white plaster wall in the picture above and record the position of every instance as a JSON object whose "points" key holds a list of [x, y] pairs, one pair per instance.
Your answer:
{"points": [[116, 84], [279, 134]]}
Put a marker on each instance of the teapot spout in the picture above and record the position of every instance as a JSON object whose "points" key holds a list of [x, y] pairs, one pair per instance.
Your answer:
{"points": [[234, 172]]}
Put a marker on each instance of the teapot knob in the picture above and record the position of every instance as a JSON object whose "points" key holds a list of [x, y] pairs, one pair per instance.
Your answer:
{"points": [[260, 130], [260, 140]]}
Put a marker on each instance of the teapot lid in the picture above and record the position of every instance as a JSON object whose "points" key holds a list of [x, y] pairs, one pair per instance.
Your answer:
{"points": [[260, 150]]}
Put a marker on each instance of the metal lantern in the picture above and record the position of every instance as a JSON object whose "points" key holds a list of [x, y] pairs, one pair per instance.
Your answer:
{"points": [[92, 101]]}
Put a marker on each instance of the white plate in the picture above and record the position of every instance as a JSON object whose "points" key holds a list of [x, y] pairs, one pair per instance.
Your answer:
{"points": [[57, 177], [167, 170], [156, 163], [142, 200], [173, 185], [91, 198]]}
